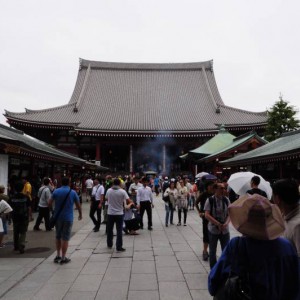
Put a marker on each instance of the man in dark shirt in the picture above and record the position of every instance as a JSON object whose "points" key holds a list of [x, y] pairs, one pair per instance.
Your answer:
{"points": [[209, 191], [21, 205], [255, 181]]}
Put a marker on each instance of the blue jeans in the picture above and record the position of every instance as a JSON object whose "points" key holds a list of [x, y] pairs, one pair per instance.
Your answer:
{"points": [[169, 212], [111, 220], [213, 242]]}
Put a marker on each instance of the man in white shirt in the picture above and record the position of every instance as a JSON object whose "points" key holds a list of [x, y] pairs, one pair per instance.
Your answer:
{"points": [[133, 188], [96, 203], [144, 199], [116, 200], [44, 195], [89, 187]]}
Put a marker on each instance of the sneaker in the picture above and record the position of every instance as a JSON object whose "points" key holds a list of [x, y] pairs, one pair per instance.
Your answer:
{"points": [[150, 228], [166, 225], [121, 250], [184, 224], [65, 261], [57, 259], [205, 256], [179, 224]]}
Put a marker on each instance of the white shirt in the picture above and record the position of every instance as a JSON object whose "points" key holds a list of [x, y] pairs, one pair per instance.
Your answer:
{"points": [[97, 191], [89, 183], [116, 200], [134, 187], [144, 194]]}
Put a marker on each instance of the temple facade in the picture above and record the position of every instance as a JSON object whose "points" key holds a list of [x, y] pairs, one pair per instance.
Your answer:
{"points": [[134, 117]]}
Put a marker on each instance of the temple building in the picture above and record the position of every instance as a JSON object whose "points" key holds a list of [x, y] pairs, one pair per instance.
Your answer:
{"points": [[135, 116]]}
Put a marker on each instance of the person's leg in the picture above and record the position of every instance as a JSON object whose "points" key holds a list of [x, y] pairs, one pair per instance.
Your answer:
{"points": [[167, 209], [22, 236], [119, 226], [66, 235], [109, 228], [39, 219], [93, 209], [142, 211], [224, 239], [104, 214], [64, 248], [171, 208], [98, 210], [47, 218], [16, 234], [58, 247], [205, 239], [184, 215], [213, 241], [179, 216], [149, 214]]}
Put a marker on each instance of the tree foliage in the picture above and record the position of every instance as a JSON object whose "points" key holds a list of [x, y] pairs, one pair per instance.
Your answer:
{"points": [[281, 118]]}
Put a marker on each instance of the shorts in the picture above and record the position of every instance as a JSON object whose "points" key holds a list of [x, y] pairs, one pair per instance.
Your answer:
{"points": [[63, 230]]}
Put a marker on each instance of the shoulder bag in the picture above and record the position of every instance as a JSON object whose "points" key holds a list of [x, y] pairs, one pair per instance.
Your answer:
{"points": [[54, 218]]}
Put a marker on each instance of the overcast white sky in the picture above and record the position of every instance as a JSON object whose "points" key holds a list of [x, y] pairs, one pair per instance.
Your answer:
{"points": [[255, 45]]}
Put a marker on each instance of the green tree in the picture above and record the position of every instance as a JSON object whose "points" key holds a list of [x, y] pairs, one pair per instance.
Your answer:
{"points": [[281, 118]]}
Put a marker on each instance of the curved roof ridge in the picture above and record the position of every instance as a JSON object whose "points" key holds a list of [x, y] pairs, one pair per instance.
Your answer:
{"points": [[148, 66], [243, 110], [33, 111]]}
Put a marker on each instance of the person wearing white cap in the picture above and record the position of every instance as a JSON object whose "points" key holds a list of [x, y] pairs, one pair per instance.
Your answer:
{"points": [[266, 264]]}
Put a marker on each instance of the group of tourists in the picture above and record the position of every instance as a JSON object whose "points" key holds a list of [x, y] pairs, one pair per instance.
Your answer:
{"points": [[265, 259]]}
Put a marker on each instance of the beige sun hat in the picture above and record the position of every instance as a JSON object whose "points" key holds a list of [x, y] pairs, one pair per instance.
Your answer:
{"points": [[255, 216]]}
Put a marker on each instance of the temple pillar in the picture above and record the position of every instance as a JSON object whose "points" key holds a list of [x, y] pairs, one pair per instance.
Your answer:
{"points": [[130, 159], [98, 151], [164, 159]]}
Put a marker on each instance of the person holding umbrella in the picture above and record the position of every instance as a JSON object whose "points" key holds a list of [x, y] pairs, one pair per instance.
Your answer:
{"points": [[255, 181]]}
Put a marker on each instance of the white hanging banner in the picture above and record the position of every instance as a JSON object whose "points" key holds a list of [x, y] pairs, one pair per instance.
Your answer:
{"points": [[4, 170]]}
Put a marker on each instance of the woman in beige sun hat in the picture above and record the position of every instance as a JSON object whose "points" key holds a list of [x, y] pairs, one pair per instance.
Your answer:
{"points": [[270, 262]]}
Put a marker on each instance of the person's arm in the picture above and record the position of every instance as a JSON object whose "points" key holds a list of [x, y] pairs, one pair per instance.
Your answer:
{"points": [[101, 192], [151, 198], [166, 193], [198, 200], [78, 206], [138, 198], [130, 189]]}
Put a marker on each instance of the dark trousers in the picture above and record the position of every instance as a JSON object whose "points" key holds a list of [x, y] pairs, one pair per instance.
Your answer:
{"points": [[20, 229], [146, 206], [213, 242], [94, 209], [111, 220], [184, 215], [44, 213]]}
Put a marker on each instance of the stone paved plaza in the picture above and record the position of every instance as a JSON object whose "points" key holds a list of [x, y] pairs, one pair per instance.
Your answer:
{"points": [[164, 264]]}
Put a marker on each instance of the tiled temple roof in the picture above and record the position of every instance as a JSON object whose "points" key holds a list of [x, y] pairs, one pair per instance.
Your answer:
{"points": [[143, 98], [284, 148]]}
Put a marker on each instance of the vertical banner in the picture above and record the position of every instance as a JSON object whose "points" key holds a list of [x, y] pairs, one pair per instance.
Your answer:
{"points": [[4, 170]]}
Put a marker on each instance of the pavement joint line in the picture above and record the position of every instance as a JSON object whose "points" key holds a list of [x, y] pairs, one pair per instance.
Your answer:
{"points": [[31, 271]]}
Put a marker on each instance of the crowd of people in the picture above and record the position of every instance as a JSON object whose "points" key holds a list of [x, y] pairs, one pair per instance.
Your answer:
{"points": [[268, 249]]}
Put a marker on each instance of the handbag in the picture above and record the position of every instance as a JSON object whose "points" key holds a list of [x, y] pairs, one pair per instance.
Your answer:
{"points": [[54, 218], [236, 287], [166, 198]]}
